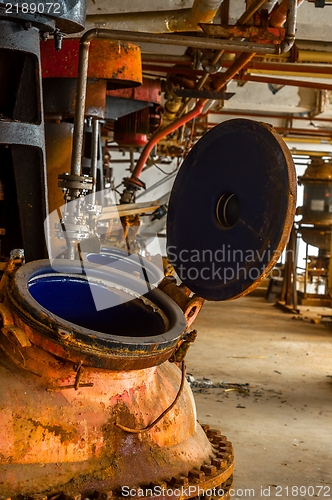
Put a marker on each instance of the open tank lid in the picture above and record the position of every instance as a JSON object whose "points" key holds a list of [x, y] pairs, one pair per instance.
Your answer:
{"points": [[231, 209]]}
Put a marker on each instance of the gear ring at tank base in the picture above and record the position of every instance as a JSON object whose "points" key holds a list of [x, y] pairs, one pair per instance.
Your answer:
{"points": [[213, 481]]}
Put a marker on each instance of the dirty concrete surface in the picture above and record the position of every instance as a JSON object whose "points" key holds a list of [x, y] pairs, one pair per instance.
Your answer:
{"points": [[282, 429]]}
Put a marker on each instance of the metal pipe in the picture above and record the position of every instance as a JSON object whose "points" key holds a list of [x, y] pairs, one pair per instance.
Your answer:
{"points": [[186, 41], [166, 59], [196, 42], [279, 15], [164, 132], [249, 12], [228, 75], [256, 4], [157, 184], [94, 157], [83, 61], [231, 72], [284, 130], [289, 16], [261, 67], [227, 112], [287, 81], [202, 11]]}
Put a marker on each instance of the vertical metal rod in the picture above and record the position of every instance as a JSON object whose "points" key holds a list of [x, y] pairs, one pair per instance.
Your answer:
{"points": [[306, 270], [295, 250], [83, 61], [288, 274], [330, 268], [94, 157]]}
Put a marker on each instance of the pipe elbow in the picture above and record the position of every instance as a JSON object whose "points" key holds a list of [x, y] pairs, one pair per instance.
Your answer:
{"points": [[286, 45]]}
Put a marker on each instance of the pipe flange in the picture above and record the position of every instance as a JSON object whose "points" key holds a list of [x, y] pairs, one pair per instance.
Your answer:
{"points": [[80, 182]]}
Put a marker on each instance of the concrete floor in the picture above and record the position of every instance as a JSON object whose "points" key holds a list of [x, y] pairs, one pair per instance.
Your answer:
{"points": [[282, 430]]}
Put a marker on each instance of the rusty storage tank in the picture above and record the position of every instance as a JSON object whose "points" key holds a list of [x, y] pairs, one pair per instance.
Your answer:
{"points": [[91, 359], [77, 412], [316, 223]]}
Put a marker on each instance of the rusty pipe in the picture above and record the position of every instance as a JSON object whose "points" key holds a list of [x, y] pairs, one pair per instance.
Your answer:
{"points": [[249, 12], [263, 68], [283, 130], [230, 73], [217, 56], [163, 133], [279, 15], [289, 16], [244, 58], [253, 7], [263, 115], [287, 81], [202, 11], [191, 41], [167, 59], [227, 76]]}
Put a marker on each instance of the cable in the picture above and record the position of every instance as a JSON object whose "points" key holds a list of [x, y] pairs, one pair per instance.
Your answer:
{"points": [[145, 429]]}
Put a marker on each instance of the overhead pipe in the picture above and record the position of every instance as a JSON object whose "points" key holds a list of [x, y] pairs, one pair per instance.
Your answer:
{"points": [[259, 69], [197, 110], [226, 77], [237, 65], [186, 41], [287, 12], [285, 130], [273, 68], [302, 56], [250, 11], [286, 81], [280, 116], [229, 74], [167, 59], [279, 14], [246, 16], [202, 11]]}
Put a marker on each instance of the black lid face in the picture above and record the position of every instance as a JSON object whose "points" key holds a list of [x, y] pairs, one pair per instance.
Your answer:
{"points": [[231, 209]]}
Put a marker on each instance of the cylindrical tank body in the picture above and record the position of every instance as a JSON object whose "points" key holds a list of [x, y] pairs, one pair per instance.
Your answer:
{"points": [[22, 140], [112, 65]]}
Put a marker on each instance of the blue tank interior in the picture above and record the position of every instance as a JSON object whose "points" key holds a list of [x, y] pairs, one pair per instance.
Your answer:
{"points": [[71, 299]]}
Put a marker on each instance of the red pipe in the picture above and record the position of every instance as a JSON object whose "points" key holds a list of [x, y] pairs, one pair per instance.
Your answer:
{"points": [[280, 67], [279, 14], [283, 116], [238, 64], [165, 131]]}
